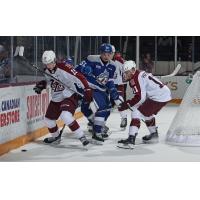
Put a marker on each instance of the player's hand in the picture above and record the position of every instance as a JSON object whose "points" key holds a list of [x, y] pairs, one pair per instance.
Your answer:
{"points": [[114, 94], [119, 100], [40, 86], [37, 90], [88, 95], [123, 106]]}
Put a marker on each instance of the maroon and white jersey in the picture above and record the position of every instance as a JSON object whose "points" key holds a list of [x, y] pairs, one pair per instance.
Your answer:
{"points": [[118, 73], [70, 77], [146, 86]]}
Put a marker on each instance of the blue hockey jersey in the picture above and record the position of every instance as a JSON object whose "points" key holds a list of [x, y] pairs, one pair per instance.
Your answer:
{"points": [[102, 75]]}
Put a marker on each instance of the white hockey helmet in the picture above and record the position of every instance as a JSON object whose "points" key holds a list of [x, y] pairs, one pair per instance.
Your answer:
{"points": [[113, 49], [48, 57], [128, 65]]}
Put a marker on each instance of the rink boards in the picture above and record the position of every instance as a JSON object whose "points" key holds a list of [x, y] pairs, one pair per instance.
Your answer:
{"points": [[22, 111], [21, 116]]}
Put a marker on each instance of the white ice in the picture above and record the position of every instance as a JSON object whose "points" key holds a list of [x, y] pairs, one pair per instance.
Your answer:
{"points": [[70, 148]]}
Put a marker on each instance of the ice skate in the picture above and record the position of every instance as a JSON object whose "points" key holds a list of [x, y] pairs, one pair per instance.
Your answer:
{"points": [[53, 140], [105, 132], [128, 143], [84, 141], [151, 138], [97, 139]]}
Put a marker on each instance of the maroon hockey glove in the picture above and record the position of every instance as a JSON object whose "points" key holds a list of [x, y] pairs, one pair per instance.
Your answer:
{"points": [[124, 106], [40, 86], [88, 95]]}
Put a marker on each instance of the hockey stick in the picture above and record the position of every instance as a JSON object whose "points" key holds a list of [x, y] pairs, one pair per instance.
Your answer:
{"points": [[92, 75], [61, 131], [91, 104], [176, 70], [55, 79]]}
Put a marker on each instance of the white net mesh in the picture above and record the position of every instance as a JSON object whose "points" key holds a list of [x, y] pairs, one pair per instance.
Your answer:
{"points": [[185, 127]]}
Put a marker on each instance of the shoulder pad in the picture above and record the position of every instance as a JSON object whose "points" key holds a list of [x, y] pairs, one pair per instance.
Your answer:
{"points": [[93, 58]]}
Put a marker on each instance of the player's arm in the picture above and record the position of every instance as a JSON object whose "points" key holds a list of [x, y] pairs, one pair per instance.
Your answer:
{"points": [[78, 77], [112, 89], [139, 94], [85, 67]]}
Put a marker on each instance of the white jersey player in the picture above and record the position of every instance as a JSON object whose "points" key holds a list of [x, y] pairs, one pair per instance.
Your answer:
{"points": [[119, 83], [150, 95], [64, 96]]}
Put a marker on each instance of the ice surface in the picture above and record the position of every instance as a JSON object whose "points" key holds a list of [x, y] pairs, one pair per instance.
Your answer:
{"points": [[71, 150]]}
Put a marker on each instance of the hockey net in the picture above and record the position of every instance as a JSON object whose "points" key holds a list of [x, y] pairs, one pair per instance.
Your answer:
{"points": [[185, 127]]}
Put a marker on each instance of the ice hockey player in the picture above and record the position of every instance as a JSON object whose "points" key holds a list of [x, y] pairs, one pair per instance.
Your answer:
{"points": [[64, 97], [150, 95], [99, 71], [120, 84]]}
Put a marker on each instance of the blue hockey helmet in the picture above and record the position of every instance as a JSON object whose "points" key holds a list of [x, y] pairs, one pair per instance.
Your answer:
{"points": [[106, 48], [69, 61]]}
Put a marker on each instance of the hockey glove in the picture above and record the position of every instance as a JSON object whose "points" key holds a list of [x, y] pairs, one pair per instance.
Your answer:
{"points": [[114, 94], [40, 86], [124, 106], [88, 95], [119, 100]]}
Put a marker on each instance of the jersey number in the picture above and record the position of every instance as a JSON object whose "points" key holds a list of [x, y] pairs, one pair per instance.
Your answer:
{"points": [[74, 72], [135, 90], [156, 82]]}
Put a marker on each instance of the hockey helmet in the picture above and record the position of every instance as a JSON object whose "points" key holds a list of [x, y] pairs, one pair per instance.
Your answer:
{"points": [[113, 49], [48, 57], [106, 48], [128, 65]]}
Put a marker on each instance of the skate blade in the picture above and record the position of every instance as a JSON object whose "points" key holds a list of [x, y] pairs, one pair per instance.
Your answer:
{"points": [[53, 143], [95, 142], [122, 129], [129, 146], [152, 141]]}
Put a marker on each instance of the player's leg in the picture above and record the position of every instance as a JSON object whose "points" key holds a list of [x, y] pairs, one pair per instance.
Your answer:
{"points": [[68, 107], [123, 114], [133, 130], [153, 133], [51, 116], [102, 102], [150, 108], [88, 114]]}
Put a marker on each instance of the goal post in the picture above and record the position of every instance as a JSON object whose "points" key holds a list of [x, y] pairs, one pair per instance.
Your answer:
{"points": [[185, 127]]}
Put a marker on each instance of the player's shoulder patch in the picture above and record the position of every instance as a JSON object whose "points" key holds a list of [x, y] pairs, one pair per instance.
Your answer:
{"points": [[143, 74], [93, 58]]}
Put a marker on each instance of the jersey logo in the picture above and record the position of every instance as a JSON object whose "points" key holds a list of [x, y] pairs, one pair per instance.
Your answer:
{"points": [[56, 87], [144, 75], [98, 66], [103, 78]]}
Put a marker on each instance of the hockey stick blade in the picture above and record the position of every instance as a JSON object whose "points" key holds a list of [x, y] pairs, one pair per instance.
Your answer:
{"points": [[178, 67]]}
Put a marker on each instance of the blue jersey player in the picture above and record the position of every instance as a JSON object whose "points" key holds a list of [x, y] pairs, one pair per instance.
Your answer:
{"points": [[99, 71]]}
